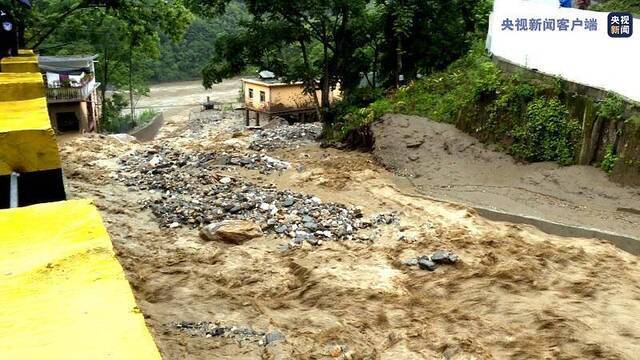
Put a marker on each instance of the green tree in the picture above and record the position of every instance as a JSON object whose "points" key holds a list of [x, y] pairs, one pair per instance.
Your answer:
{"points": [[184, 60], [125, 34], [423, 36], [325, 43], [304, 41]]}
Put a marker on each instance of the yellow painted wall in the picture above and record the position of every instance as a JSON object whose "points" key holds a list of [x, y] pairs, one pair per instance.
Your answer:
{"points": [[281, 96], [27, 141], [26, 52], [20, 64], [21, 86], [255, 103], [292, 96], [63, 293]]}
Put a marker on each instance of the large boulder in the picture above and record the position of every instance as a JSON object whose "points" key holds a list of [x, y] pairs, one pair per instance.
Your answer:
{"points": [[231, 231]]}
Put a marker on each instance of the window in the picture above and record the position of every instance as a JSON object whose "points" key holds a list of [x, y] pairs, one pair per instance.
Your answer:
{"points": [[262, 96], [250, 93]]}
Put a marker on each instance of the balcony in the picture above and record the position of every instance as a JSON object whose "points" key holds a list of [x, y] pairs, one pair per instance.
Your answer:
{"points": [[61, 92]]}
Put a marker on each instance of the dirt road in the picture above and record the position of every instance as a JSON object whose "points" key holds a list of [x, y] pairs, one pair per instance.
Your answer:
{"points": [[515, 293]]}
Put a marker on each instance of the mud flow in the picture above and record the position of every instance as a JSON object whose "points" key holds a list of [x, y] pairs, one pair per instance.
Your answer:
{"points": [[260, 244]]}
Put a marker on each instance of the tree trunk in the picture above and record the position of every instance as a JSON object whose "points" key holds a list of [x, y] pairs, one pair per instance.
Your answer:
{"points": [[105, 75], [310, 83], [398, 61], [326, 80], [375, 66], [131, 105]]}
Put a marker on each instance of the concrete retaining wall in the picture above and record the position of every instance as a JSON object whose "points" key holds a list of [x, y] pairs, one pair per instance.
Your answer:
{"points": [[149, 131], [626, 243]]}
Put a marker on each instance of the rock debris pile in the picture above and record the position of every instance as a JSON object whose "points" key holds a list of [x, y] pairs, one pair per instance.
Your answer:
{"points": [[285, 136], [298, 216], [261, 162], [236, 333], [201, 120], [430, 263], [191, 193], [156, 161]]}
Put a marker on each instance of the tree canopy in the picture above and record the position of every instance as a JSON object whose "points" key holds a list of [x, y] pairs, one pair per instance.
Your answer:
{"points": [[326, 43]]}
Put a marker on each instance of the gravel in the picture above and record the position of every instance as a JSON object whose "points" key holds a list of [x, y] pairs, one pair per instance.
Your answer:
{"points": [[209, 329], [190, 193], [158, 160], [285, 136]]}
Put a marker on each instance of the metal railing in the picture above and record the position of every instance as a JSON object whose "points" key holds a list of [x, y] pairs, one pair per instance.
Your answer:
{"points": [[70, 94]]}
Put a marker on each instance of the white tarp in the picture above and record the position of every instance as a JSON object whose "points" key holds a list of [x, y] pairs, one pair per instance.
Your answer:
{"points": [[580, 55]]}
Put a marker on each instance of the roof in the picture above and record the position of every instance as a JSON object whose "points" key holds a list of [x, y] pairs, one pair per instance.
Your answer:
{"points": [[266, 75], [270, 82], [66, 63]]}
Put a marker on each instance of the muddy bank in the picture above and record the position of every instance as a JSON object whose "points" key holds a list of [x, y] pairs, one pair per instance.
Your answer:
{"points": [[446, 163]]}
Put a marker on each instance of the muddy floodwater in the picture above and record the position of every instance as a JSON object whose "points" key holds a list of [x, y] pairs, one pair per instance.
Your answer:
{"points": [[332, 273]]}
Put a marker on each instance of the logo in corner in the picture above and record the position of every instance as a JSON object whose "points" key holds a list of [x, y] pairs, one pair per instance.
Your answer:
{"points": [[620, 24]]}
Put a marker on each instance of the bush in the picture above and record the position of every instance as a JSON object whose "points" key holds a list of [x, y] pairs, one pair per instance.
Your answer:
{"points": [[112, 119], [611, 108], [146, 117], [114, 122], [547, 133], [610, 160]]}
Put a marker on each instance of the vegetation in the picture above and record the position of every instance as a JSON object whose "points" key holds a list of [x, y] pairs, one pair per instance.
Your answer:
{"points": [[610, 160], [185, 59], [115, 121], [612, 107], [326, 43], [632, 6], [527, 117], [547, 133]]}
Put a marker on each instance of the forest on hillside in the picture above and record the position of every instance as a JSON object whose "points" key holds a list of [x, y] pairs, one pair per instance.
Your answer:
{"points": [[368, 47]]}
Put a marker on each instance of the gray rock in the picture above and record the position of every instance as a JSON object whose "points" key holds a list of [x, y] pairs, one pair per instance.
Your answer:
{"points": [[288, 202], [444, 257], [426, 264], [283, 247], [410, 262], [312, 226], [272, 337], [414, 143]]}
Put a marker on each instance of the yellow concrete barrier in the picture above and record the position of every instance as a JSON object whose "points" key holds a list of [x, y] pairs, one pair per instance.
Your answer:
{"points": [[20, 64], [27, 142], [21, 86], [26, 52], [63, 294]]}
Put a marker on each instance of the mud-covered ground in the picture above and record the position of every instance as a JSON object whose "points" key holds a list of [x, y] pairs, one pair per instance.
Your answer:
{"points": [[515, 293], [445, 163]]}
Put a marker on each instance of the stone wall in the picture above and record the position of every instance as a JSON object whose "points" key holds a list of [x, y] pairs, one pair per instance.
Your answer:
{"points": [[598, 134]]}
